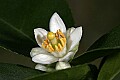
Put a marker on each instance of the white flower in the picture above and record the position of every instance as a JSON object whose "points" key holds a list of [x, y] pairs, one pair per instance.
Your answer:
{"points": [[58, 45]]}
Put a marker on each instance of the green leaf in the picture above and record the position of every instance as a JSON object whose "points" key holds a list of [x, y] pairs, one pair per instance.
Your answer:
{"points": [[91, 75], [18, 18], [111, 68], [16, 72], [117, 77], [94, 72], [106, 45], [76, 73]]}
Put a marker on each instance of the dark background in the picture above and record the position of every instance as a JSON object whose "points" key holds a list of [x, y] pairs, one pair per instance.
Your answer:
{"points": [[97, 18]]}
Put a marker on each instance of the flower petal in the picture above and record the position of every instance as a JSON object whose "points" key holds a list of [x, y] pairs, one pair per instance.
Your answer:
{"points": [[67, 57], [36, 51], [45, 58], [69, 31], [40, 35], [74, 38], [62, 65], [41, 67], [44, 68], [57, 23]]}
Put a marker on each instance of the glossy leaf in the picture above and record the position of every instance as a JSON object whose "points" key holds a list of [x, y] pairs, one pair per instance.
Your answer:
{"points": [[76, 73], [19, 18], [111, 68], [94, 72], [16, 72], [106, 45], [117, 77]]}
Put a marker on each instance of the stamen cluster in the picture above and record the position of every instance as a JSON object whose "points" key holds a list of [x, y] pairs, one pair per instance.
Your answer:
{"points": [[54, 41]]}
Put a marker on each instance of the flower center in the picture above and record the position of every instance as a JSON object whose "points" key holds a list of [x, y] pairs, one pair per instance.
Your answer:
{"points": [[54, 41]]}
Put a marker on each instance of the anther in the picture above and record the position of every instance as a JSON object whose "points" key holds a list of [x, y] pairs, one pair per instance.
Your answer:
{"points": [[60, 46], [62, 41], [50, 48], [56, 48], [60, 33]]}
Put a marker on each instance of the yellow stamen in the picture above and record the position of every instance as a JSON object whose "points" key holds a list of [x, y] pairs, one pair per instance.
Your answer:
{"points": [[46, 42], [63, 41], [57, 36], [60, 46], [56, 48], [43, 45], [60, 33], [54, 42], [50, 46]]}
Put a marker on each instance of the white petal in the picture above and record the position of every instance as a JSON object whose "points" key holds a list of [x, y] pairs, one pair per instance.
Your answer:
{"points": [[67, 57], [57, 23], [60, 54], [62, 65], [40, 35], [44, 68], [45, 58], [41, 67], [69, 31], [36, 51], [74, 38]]}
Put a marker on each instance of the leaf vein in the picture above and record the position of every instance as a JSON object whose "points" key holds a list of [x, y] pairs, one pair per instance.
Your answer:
{"points": [[10, 25]]}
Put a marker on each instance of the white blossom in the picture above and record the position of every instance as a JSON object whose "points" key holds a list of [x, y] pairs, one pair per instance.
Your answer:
{"points": [[57, 45]]}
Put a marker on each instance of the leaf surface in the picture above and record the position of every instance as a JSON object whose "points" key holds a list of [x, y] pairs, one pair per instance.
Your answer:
{"points": [[75, 73], [16, 72], [18, 19], [106, 45], [111, 68]]}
